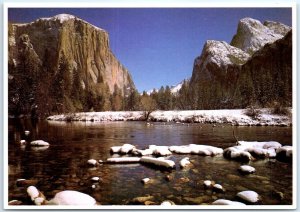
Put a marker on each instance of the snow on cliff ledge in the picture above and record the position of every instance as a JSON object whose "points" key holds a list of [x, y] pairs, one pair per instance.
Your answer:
{"points": [[233, 116], [61, 18]]}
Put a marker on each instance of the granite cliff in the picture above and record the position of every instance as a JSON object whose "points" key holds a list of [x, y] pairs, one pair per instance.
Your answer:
{"points": [[83, 46], [216, 72]]}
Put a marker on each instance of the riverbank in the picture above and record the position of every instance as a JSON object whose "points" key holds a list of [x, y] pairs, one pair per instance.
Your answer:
{"points": [[236, 117]]}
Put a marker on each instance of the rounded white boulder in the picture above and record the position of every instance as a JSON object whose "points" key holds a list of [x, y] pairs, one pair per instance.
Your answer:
{"points": [[69, 197], [96, 179], [246, 169], [39, 143], [227, 202], [207, 183], [92, 162], [249, 196]]}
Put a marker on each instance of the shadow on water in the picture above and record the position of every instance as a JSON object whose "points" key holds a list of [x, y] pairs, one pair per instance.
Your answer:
{"points": [[63, 165]]}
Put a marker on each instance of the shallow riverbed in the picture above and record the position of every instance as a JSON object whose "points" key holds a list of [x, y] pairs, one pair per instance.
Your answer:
{"points": [[64, 164]]}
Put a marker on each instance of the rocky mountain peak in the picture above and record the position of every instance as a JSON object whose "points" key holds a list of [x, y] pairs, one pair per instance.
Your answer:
{"points": [[221, 54], [60, 17], [252, 34]]}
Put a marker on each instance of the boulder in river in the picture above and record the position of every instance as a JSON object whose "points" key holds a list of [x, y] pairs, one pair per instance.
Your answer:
{"points": [[39, 143], [227, 202], [249, 196], [245, 169]]}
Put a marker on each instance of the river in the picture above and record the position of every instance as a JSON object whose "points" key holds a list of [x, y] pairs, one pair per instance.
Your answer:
{"points": [[63, 166]]}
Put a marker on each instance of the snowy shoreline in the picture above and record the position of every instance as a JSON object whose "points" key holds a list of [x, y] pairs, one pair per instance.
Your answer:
{"points": [[235, 117]]}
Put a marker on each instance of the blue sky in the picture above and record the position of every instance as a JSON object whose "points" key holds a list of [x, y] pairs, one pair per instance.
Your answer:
{"points": [[158, 46]]}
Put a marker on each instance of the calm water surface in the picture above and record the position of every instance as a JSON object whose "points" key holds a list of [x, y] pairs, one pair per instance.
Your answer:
{"points": [[63, 166]]}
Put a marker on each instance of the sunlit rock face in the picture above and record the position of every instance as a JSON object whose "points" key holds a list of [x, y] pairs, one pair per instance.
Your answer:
{"points": [[252, 35], [86, 47]]}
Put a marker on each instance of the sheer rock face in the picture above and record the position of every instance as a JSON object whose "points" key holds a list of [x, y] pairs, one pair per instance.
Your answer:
{"points": [[252, 34], [216, 60], [217, 69], [85, 46], [215, 73], [270, 72]]}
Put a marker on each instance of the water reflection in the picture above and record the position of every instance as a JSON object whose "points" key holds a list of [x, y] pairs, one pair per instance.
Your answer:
{"points": [[63, 164]]}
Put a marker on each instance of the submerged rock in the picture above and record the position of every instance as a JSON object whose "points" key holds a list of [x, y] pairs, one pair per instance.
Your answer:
{"points": [[15, 202], [143, 199]]}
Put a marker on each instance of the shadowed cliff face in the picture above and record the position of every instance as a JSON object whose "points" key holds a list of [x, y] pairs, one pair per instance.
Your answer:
{"points": [[255, 68], [85, 46], [267, 76]]}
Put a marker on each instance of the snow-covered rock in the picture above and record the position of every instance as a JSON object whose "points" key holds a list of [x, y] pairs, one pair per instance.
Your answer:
{"points": [[115, 149], [145, 180], [252, 34], [92, 162], [22, 142], [142, 152], [184, 162], [39, 143], [205, 150], [208, 183], [33, 192], [246, 150], [246, 169], [39, 201], [249, 196], [126, 148], [96, 179], [227, 202], [124, 160], [180, 149], [69, 197], [158, 162], [285, 153], [196, 149], [218, 187], [36, 196], [237, 153], [167, 203], [160, 150]]}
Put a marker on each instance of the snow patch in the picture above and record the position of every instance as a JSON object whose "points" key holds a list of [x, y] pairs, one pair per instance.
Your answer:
{"points": [[158, 162], [124, 160]]}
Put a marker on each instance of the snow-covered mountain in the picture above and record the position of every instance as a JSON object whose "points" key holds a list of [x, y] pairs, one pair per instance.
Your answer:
{"points": [[252, 34], [218, 67], [174, 88]]}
